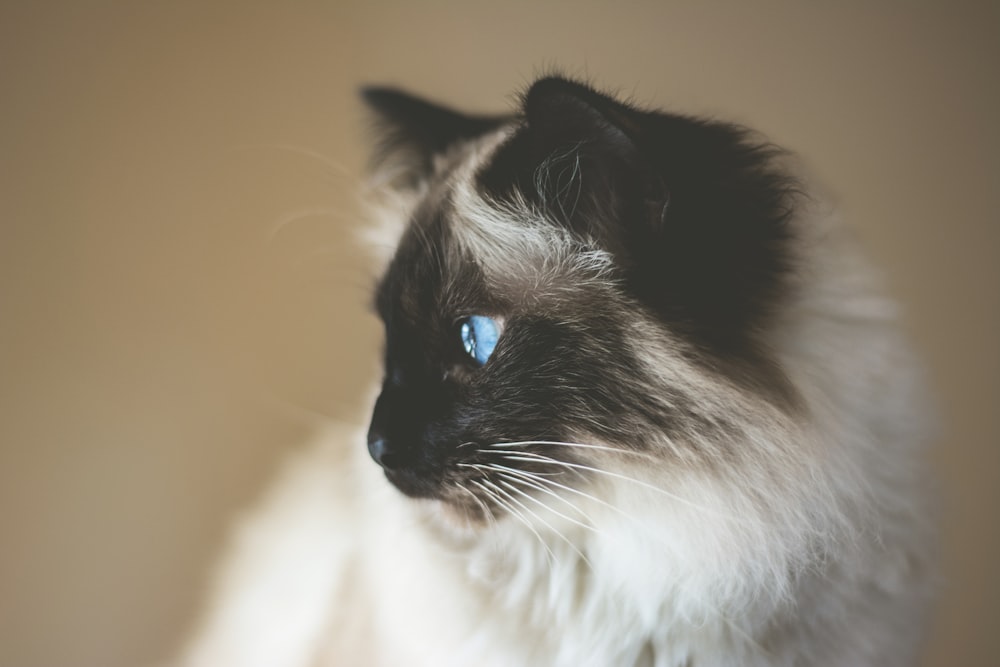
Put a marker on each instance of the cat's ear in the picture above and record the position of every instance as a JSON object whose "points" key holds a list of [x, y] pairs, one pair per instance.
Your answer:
{"points": [[411, 131], [577, 156], [695, 212], [563, 112]]}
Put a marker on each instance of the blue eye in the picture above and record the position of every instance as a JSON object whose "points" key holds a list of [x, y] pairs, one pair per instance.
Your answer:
{"points": [[479, 337]]}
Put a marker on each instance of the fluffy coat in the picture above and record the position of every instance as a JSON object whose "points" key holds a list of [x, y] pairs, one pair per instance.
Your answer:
{"points": [[690, 448]]}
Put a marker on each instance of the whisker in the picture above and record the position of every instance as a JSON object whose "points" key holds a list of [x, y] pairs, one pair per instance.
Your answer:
{"points": [[535, 457], [533, 472], [580, 445], [540, 519], [507, 506], [334, 165], [537, 476], [301, 214], [511, 478], [531, 480], [487, 513], [579, 466], [588, 496], [547, 524]]}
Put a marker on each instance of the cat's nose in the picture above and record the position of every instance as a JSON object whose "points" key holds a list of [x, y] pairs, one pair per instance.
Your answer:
{"points": [[378, 448]]}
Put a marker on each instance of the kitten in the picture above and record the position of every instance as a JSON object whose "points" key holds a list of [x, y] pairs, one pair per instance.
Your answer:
{"points": [[643, 405]]}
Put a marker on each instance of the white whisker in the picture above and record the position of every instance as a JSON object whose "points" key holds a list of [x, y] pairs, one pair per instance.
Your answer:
{"points": [[336, 166], [487, 513], [301, 214], [533, 472], [517, 480], [588, 496], [580, 445], [528, 458], [514, 500], [535, 457], [547, 524], [530, 479], [507, 506], [538, 477]]}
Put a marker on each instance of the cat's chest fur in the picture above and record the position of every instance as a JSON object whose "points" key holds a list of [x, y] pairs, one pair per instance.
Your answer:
{"points": [[376, 584], [572, 597]]}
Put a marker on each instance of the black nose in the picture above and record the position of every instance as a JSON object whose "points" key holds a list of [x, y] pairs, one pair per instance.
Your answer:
{"points": [[378, 448]]}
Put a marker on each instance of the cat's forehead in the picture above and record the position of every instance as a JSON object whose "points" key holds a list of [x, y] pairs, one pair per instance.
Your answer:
{"points": [[519, 249], [465, 159]]}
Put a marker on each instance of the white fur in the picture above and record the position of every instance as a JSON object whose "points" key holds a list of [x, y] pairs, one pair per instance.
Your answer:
{"points": [[518, 249]]}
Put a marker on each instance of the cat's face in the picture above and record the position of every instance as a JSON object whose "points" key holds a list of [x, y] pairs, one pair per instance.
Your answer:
{"points": [[580, 285]]}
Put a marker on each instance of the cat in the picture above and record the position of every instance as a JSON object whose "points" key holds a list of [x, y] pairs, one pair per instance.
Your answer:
{"points": [[643, 404]]}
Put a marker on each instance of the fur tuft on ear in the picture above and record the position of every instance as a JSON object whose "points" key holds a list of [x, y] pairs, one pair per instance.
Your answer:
{"points": [[564, 111], [411, 131]]}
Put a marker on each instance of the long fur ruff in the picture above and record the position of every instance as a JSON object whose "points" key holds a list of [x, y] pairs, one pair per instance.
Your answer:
{"points": [[776, 535]]}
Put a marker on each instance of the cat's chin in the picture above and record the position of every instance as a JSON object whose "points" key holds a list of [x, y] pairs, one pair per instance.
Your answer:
{"points": [[450, 520], [445, 513], [411, 485]]}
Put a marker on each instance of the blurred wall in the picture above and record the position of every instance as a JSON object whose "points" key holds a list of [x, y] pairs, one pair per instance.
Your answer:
{"points": [[182, 301]]}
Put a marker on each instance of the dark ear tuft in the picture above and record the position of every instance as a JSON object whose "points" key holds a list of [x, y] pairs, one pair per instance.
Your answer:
{"points": [[566, 111], [411, 131]]}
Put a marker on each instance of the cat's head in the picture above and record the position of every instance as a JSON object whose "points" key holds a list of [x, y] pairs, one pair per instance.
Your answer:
{"points": [[580, 287]]}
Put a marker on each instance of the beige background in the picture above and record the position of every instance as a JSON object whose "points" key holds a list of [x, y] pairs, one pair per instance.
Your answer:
{"points": [[181, 302]]}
